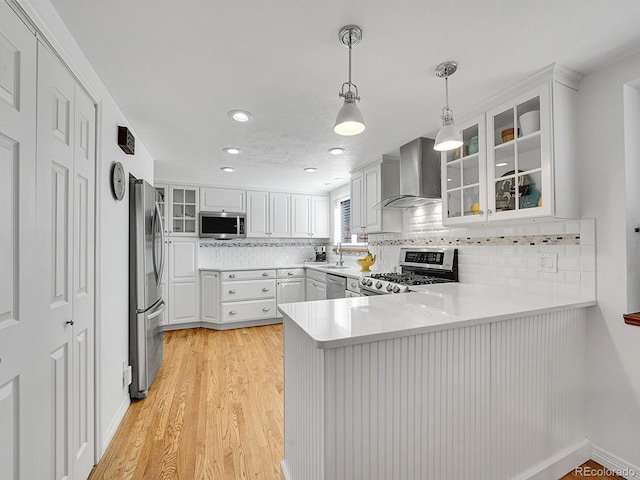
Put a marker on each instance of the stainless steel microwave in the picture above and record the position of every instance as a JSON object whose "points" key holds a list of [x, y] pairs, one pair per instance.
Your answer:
{"points": [[222, 225]]}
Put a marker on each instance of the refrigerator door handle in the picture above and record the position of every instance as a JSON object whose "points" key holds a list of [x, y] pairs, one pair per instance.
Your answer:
{"points": [[161, 308], [157, 221]]}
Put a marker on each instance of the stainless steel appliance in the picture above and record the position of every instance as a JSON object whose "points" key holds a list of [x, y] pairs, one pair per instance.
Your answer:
{"points": [[222, 225], [146, 265], [419, 266], [336, 286]]}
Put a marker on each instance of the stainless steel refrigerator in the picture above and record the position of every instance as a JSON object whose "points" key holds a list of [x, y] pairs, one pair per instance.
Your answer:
{"points": [[146, 265]]}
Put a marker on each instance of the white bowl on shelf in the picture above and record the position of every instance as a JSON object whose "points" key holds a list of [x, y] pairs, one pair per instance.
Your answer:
{"points": [[529, 122]]}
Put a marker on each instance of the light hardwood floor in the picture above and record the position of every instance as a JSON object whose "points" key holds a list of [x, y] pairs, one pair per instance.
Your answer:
{"points": [[214, 412]]}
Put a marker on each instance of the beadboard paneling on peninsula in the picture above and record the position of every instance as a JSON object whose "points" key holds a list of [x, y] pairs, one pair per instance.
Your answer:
{"points": [[503, 255]]}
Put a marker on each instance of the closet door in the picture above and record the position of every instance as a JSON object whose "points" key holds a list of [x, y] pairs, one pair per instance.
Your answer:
{"points": [[66, 223], [24, 420], [83, 437]]}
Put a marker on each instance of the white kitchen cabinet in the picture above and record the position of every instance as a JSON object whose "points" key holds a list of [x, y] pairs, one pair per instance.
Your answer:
{"points": [[248, 295], [532, 175], [183, 281], [464, 186], [222, 200], [290, 285], [370, 185], [183, 214], [350, 294], [315, 290], [268, 214], [209, 297], [310, 216]]}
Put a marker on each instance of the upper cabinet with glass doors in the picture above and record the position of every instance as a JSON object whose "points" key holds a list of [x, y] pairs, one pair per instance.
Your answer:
{"points": [[184, 211], [526, 163], [463, 183]]}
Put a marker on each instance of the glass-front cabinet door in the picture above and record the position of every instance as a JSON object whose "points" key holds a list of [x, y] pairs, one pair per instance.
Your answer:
{"points": [[519, 157], [163, 203], [464, 176], [184, 211]]}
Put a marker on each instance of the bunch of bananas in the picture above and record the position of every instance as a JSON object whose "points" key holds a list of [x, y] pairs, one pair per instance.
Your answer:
{"points": [[368, 258]]}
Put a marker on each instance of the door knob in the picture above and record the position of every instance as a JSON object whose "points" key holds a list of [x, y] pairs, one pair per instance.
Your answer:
{"points": [[69, 322]]}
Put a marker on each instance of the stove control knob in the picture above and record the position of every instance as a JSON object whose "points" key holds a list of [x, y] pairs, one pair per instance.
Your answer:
{"points": [[369, 283], [363, 281], [378, 285], [396, 289], [389, 288]]}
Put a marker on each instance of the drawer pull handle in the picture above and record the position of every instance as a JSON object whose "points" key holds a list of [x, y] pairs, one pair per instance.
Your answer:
{"points": [[291, 273], [353, 285], [233, 291], [232, 312], [265, 274], [265, 289], [233, 275], [266, 309]]}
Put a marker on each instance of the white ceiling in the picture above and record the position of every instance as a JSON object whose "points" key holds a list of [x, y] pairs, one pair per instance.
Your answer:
{"points": [[177, 67]]}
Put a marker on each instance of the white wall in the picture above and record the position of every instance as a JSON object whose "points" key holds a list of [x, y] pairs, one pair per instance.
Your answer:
{"points": [[112, 238], [613, 347]]}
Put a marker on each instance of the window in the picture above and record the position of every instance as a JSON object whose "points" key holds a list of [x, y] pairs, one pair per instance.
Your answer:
{"points": [[342, 226]]}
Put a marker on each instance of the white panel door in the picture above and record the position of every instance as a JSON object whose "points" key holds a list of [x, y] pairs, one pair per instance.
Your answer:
{"points": [[357, 194], [83, 284], [300, 211], [56, 185], [320, 217], [25, 434], [258, 214], [291, 290], [280, 215], [373, 195], [209, 293]]}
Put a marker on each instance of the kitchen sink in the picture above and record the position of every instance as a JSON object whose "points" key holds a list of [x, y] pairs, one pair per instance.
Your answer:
{"points": [[335, 267]]}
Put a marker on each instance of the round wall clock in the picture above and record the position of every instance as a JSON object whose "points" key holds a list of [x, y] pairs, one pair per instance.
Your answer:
{"points": [[118, 183]]}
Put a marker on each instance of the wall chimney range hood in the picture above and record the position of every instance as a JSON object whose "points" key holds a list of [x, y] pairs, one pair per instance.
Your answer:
{"points": [[419, 176]]}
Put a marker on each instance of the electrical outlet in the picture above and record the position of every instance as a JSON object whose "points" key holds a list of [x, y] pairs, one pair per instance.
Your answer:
{"points": [[126, 374], [548, 262]]}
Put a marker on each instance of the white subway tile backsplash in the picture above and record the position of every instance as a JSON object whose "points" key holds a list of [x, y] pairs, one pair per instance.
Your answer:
{"points": [[566, 289], [587, 231], [569, 263], [572, 251], [573, 278], [559, 249], [588, 258], [588, 284], [558, 277]]}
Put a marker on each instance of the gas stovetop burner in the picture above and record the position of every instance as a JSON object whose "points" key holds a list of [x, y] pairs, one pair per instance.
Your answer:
{"points": [[408, 278]]}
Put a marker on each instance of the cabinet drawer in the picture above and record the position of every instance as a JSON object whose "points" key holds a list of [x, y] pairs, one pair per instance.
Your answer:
{"points": [[247, 274], [353, 285], [350, 294], [290, 272], [248, 289], [253, 310]]}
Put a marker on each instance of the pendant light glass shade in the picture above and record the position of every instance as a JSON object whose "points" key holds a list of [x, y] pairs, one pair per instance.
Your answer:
{"points": [[349, 120], [448, 138]]}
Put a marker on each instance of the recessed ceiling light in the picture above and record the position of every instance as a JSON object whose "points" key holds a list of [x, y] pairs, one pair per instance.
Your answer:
{"points": [[448, 179], [336, 151], [228, 169], [232, 150], [337, 179], [328, 184], [241, 116], [502, 164], [311, 169]]}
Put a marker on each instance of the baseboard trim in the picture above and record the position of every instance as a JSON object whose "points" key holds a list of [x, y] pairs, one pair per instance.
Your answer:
{"points": [[115, 423], [561, 463], [221, 326], [614, 463], [285, 471]]}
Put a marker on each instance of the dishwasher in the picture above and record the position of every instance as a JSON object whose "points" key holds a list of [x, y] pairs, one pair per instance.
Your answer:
{"points": [[336, 286]]}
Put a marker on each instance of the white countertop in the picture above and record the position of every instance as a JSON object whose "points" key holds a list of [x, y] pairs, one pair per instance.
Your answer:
{"points": [[351, 321], [347, 271]]}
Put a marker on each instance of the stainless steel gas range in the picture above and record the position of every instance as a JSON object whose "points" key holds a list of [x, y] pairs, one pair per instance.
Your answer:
{"points": [[419, 267]]}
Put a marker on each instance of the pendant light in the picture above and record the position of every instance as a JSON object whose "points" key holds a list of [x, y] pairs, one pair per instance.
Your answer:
{"points": [[349, 120], [449, 137]]}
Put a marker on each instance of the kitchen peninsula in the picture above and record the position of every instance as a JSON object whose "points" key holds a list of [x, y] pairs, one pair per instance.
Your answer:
{"points": [[459, 381]]}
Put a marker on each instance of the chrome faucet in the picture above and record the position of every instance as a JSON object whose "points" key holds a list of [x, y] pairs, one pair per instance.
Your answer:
{"points": [[339, 249]]}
